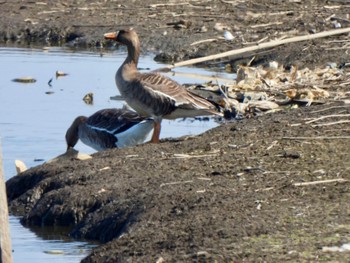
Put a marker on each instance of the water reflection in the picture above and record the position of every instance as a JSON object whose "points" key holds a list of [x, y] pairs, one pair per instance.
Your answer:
{"points": [[43, 244], [34, 118]]}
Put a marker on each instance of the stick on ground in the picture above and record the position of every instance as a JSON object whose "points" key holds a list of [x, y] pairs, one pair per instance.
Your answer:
{"points": [[270, 44]]}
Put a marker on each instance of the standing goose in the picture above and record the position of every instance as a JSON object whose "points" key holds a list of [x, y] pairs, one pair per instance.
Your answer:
{"points": [[151, 94], [109, 128]]}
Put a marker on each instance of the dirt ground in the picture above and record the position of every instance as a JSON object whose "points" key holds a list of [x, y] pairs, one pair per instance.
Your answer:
{"points": [[271, 188]]}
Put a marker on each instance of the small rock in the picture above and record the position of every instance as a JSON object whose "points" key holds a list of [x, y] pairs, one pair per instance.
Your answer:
{"points": [[89, 98], [180, 24], [102, 190], [332, 65], [203, 253], [25, 80], [273, 65], [60, 74], [105, 168], [203, 29], [342, 248], [20, 166], [228, 68], [54, 252], [160, 260], [228, 35], [292, 155], [220, 27]]}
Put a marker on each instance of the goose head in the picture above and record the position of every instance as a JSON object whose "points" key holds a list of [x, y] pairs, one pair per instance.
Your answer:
{"points": [[72, 134], [128, 38], [125, 37]]}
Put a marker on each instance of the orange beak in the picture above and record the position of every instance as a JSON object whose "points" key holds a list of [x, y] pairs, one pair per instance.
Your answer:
{"points": [[111, 35]]}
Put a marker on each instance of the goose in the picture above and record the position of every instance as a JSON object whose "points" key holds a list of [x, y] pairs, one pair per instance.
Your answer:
{"points": [[109, 128], [152, 94]]}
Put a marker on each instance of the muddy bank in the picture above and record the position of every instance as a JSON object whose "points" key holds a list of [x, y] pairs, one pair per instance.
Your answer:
{"points": [[234, 193], [182, 30], [270, 188]]}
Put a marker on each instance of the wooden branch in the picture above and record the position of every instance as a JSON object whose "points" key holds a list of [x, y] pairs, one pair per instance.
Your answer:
{"points": [[337, 129], [340, 19], [184, 156], [269, 44], [338, 180], [330, 108], [317, 138], [330, 123], [272, 145], [265, 25], [328, 116], [167, 4], [264, 189], [344, 83], [5, 239], [204, 41], [336, 48]]}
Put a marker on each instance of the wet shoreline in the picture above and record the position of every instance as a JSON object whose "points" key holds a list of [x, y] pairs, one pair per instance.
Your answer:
{"points": [[259, 189], [178, 32]]}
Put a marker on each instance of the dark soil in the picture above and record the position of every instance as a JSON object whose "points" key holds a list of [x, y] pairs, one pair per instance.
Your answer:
{"points": [[78, 23], [232, 194]]}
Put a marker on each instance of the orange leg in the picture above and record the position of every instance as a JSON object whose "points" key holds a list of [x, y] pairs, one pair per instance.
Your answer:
{"points": [[156, 132]]}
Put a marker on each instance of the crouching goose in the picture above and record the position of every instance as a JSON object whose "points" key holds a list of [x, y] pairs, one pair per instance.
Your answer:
{"points": [[109, 128], [151, 94]]}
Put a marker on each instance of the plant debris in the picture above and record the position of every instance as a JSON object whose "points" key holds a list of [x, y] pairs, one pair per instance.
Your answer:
{"points": [[259, 90]]}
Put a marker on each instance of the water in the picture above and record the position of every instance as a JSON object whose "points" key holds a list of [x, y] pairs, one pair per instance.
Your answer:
{"points": [[49, 246], [35, 116]]}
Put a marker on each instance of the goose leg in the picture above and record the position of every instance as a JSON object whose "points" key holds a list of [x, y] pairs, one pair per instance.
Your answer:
{"points": [[156, 132]]}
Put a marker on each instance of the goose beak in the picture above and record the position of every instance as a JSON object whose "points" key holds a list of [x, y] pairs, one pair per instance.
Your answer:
{"points": [[111, 35]]}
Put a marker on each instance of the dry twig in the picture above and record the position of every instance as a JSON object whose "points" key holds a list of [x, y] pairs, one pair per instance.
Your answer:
{"points": [[317, 138], [330, 108], [338, 180], [328, 116], [270, 44], [203, 41], [174, 183], [330, 123]]}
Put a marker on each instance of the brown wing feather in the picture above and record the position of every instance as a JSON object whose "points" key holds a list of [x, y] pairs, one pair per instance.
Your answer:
{"points": [[174, 90]]}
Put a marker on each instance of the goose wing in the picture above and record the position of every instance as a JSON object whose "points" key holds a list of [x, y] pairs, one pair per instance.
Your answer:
{"points": [[166, 89], [113, 121]]}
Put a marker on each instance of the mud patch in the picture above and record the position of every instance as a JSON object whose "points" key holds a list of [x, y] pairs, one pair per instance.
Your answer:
{"points": [[233, 193], [200, 34], [270, 188]]}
